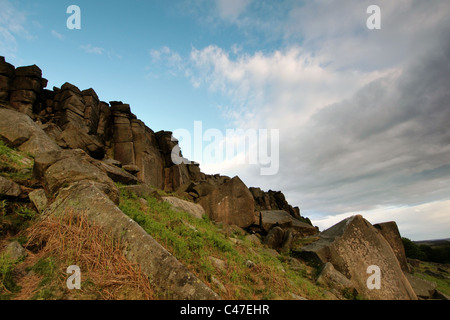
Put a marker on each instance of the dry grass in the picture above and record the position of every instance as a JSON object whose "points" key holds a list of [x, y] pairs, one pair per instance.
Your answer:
{"points": [[73, 240]]}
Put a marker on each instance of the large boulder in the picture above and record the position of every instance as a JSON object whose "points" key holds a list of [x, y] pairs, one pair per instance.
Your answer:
{"points": [[58, 169], [18, 130], [231, 203], [165, 272], [352, 246], [390, 232]]}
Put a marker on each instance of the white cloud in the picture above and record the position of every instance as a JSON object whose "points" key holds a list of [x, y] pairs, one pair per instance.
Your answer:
{"points": [[57, 35], [12, 25], [92, 50], [231, 9], [363, 119], [172, 62], [433, 219]]}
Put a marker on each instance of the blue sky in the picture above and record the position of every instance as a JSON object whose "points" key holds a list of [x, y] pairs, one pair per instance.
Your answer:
{"points": [[362, 114]]}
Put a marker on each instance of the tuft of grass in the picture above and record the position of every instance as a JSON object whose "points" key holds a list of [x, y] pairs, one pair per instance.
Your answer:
{"points": [[194, 241], [73, 240]]}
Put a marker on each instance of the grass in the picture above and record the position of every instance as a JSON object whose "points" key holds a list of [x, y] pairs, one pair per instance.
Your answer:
{"points": [[15, 165], [73, 240], [443, 283], [194, 241], [8, 285]]}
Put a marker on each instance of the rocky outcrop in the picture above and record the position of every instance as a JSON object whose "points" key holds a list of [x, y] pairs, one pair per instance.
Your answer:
{"points": [[352, 246], [275, 200], [70, 118], [280, 218]]}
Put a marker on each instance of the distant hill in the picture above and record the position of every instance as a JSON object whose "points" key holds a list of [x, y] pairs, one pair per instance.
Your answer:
{"points": [[434, 243]]}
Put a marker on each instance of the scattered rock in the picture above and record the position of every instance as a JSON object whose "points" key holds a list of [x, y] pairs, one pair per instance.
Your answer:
{"points": [[39, 199], [249, 264], [218, 263], [219, 285], [15, 251], [297, 297], [9, 188], [253, 238]]}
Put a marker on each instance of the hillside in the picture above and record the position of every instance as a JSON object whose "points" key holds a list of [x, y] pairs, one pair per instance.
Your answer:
{"points": [[84, 182]]}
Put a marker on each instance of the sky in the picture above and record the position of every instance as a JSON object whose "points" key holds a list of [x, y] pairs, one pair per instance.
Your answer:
{"points": [[357, 118]]}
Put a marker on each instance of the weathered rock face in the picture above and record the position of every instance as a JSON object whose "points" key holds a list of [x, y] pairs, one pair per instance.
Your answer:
{"points": [[7, 72], [25, 89], [19, 131], [270, 219], [390, 232], [165, 271], [231, 203], [58, 169], [352, 246]]}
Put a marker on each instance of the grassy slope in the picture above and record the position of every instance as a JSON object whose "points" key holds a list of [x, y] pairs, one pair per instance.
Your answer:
{"points": [[434, 272], [252, 272]]}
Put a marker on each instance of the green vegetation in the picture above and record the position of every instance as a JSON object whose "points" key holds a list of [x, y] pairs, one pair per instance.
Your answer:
{"points": [[15, 165], [425, 252], [432, 272], [8, 286], [251, 272]]}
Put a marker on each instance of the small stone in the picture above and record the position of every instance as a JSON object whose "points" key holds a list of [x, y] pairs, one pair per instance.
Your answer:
{"points": [[15, 251]]}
